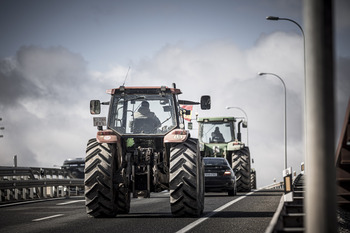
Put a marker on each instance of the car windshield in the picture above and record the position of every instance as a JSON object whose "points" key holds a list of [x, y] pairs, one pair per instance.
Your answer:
{"points": [[142, 114], [215, 162], [216, 132]]}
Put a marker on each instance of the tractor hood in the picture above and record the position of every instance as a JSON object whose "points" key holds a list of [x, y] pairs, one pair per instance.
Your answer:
{"points": [[214, 149], [220, 149]]}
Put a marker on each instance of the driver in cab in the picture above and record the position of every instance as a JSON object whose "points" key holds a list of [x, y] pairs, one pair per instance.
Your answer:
{"points": [[217, 135], [145, 120]]}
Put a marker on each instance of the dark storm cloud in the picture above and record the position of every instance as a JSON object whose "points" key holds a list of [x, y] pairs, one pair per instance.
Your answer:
{"points": [[37, 72], [342, 87], [343, 76], [14, 85], [42, 94]]}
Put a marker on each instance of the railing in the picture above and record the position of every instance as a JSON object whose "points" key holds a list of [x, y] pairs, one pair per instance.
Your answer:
{"points": [[25, 183], [278, 185], [289, 216]]}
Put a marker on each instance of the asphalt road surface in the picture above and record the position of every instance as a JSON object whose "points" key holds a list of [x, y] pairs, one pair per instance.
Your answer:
{"points": [[246, 212]]}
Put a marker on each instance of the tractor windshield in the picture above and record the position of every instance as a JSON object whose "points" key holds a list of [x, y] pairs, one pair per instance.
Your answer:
{"points": [[142, 114], [216, 132]]}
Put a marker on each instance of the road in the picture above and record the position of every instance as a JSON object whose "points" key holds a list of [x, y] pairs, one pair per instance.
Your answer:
{"points": [[246, 212]]}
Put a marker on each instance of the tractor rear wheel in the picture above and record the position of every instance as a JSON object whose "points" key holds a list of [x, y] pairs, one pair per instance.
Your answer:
{"points": [[241, 167], [103, 197], [186, 179]]}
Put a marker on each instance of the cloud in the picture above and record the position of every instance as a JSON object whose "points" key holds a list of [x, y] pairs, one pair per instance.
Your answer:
{"points": [[42, 99], [13, 85], [229, 75], [46, 92]]}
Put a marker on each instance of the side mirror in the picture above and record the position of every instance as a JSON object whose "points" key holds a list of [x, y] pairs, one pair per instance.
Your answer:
{"points": [[245, 124], [205, 102], [189, 125], [95, 107]]}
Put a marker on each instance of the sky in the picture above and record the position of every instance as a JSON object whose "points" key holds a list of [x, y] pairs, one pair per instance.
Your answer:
{"points": [[55, 56]]}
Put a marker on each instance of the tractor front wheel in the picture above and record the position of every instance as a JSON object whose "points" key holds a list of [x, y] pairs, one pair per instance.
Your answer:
{"points": [[104, 197], [186, 179], [241, 167]]}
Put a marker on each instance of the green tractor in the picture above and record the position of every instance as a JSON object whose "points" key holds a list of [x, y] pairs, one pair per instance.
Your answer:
{"points": [[217, 138]]}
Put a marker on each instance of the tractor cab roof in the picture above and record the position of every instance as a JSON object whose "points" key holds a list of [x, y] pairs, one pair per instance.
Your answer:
{"points": [[144, 90], [216, 119]]}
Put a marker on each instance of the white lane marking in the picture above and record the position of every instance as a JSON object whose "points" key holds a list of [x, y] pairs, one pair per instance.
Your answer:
{"points": [[28, 202], [70, 202], [53, 216], [199, 221]]}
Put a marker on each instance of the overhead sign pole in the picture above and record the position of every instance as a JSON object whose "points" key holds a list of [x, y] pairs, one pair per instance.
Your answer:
{"points": [[320, 203]]}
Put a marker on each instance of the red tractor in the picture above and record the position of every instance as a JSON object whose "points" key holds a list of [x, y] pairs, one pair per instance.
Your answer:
{"points": [[143, 149]]}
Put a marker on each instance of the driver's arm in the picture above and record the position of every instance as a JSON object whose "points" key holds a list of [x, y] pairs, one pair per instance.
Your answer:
{"points": [[157, 121]]}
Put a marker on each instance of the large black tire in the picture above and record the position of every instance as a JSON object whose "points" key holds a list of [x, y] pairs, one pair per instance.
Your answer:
{"points": [[241, 167], [186, 179], [231, 192], [123, 199], [103, 197]]}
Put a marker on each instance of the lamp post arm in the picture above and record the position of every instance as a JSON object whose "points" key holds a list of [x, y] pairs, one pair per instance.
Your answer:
{"points": [[285, 115], [301, 29]]}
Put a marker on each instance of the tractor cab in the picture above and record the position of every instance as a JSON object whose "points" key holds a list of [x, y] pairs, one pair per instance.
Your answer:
{"points": [[152, 111], [218, 138], [216, 130]]}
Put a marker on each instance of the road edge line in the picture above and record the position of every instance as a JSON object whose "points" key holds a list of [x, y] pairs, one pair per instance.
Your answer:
{"points": [[275, 217], [202, 219], [31, 201]]}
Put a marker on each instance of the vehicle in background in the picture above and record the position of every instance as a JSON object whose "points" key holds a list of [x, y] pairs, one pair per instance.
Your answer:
{"points": [[74, 167], [217, 137], [219, 176]]}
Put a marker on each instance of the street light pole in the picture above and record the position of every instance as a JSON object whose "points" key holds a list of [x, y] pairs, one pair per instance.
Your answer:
{"points": [[285, 115], [246, 117], [275, 18], [320, 196]]}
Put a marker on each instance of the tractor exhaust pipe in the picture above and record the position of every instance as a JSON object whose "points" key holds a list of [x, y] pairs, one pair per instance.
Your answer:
{"points": [[239, 135]]}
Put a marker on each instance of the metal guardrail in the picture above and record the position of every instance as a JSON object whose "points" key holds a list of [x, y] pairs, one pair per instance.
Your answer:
{"points": [[289, 216], [278, 185], [28, 183]]}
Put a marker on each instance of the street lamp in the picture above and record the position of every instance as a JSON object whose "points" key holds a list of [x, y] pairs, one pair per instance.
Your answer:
{"points": [[275, 18], [246, 117], [285, 115]]}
